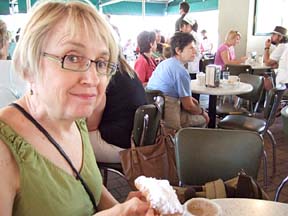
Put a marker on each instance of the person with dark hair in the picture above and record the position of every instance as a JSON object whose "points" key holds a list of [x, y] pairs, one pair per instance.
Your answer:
{"points": [[183, 10], [206, 45], [111, 133], [190, 25], [4, 41], [278, 39], [172, 78], [145, 64]]}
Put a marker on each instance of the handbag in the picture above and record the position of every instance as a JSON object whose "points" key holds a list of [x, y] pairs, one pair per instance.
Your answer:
{"points": [[157, 160], [241, 186]]}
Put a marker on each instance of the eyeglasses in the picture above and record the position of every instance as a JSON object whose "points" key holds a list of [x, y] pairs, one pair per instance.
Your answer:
{"points": [[82, 64]]}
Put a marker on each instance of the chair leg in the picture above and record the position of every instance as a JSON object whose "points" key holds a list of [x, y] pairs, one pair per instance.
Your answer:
{"points": [[105, 176], [279, 188], [265, 176], [273, 142]]}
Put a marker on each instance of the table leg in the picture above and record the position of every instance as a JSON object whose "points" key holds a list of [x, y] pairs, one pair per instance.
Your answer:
{"points": [[212, 111]]}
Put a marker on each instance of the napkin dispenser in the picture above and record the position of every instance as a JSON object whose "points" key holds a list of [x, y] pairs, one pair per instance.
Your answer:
{"points": [[213, 75]]}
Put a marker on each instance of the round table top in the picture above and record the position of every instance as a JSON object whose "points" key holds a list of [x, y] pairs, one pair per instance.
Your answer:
{"points": [[251, 207], [239, 88]]}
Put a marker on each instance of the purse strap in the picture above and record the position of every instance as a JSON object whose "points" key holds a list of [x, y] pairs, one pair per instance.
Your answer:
{"points": [[60, 150]]}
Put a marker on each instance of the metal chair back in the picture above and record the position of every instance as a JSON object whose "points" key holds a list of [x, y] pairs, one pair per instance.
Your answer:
{"points": [[238, 69], [204, 155]]}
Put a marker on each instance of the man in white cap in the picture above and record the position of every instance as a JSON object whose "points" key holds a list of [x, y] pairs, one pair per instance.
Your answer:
{"points": [[190, 25], [278, 38]]}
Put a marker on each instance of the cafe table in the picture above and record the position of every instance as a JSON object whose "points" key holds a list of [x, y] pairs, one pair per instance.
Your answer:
{"points": [[260, 68], [251, 207], [223, 89]]}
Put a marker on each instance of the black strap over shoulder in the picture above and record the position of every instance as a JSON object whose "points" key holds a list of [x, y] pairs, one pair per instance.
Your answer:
{"points": [[59, 148]]}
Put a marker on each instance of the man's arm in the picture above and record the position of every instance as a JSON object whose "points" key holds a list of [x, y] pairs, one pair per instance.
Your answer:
{"points": [[266, 58], [191, 105]]}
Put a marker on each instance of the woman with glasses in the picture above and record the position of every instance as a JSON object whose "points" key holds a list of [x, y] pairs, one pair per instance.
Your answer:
{"points": [[225, 53], [67, 54]]}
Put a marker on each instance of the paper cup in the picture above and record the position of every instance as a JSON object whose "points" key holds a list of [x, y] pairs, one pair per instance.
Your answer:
{"points": [[201, 207], [201, 79]]}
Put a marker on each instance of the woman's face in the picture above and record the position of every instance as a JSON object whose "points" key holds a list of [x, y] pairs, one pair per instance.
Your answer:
{"points": [[154, 46], [64, 93], [236, 40], [188, 54]]}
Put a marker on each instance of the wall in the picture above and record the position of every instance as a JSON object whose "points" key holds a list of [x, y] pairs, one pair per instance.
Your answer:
{"points": [[238, 15], [254, 43]]}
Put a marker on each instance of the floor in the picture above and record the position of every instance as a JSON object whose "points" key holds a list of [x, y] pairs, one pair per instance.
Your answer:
{"points": [[119, 187]]}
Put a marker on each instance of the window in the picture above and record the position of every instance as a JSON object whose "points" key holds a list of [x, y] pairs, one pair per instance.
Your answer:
{"points": [[269, 14]]}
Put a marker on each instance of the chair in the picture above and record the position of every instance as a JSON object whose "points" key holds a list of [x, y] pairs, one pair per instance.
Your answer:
{"points": [[258, 125], [253, 98], [204, 155], [204, 62], [145, 128], [279, 188], [151, 97], [152, 94], [238, 69]]}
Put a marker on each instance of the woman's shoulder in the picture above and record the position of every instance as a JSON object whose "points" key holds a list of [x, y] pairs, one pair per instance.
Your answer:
{"points": [[9, 115]]}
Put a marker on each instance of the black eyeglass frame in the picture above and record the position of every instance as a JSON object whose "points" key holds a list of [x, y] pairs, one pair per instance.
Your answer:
{"points": [[111, 67]]}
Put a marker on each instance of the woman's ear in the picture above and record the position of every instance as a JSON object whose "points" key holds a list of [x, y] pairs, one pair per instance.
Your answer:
{"points": [[178, 51]]}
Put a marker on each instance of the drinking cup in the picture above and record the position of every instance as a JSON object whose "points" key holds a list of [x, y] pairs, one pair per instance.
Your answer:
{"points": [[201, 79], [225, 75], [233, 80], [201, 207]]}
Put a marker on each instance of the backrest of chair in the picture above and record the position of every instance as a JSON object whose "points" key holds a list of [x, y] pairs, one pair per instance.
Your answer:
{"points": [[238, 69], [146, 123], [204, 155], [151, 94], [204, 62], [258, 88], [272, 103], [151, 97]]}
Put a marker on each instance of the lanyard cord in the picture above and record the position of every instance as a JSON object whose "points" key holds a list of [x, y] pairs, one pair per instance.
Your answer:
{"points": [[61, 151]]}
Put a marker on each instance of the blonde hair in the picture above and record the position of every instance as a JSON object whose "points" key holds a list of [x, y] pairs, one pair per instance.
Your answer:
{"points": [[4, 38], [124, 67], [44, 16], [231, 35]]}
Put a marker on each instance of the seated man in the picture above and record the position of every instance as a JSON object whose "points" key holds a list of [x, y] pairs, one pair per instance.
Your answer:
{"points": [[172, 78], [278, 39]]}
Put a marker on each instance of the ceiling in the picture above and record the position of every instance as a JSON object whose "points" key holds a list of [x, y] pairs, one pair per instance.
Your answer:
{"points": [[153, 7], [130, 7]]}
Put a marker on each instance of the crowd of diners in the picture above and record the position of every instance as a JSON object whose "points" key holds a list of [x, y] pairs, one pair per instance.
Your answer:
{"points": [[81, 99]]}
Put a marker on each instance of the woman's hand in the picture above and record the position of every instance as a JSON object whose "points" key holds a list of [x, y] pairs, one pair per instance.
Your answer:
{"points": [[243, 59], [137, 194], [131, 207], [136, 204], [137, 207]]}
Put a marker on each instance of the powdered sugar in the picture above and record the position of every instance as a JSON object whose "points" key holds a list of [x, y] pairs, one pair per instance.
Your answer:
{"points": [[160, 194]]}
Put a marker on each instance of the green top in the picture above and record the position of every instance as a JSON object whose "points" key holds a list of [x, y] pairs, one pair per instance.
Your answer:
{"points": [[46, 189]]}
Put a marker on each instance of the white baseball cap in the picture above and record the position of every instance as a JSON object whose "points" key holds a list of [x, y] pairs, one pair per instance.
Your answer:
{"points": [[189, 19]]}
